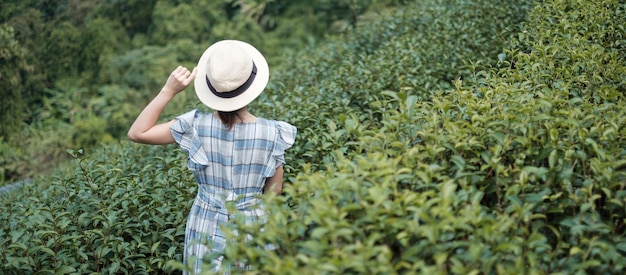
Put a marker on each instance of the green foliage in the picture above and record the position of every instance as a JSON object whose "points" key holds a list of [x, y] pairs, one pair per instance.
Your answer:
{"points": [[417, 51], [194, 20], [101, 40], [136, 16], [516, 169], [12, 67], [145, 69], [7, 158], [439, 137], [91, 131], [62, 50], [112, 215], [348, 10], [132, 46], [39, 146], [374, 215]]}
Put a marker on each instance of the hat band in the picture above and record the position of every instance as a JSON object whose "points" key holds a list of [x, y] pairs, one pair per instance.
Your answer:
{"points": [[237, 91]]}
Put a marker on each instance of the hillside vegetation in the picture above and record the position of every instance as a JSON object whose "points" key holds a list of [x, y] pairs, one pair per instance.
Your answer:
{"points": [[73, 72], [439, 137]]}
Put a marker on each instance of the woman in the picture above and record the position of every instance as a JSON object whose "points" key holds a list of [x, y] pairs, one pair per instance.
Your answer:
{"points": [[233, 155]]}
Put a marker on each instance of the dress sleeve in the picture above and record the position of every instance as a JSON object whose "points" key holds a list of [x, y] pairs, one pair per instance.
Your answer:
{"points": [[286, 136], [186, 136]]}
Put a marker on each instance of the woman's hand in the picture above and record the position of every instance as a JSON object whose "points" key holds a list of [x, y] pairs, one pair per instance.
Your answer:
{"points": [[145, 129], [178, 80]]}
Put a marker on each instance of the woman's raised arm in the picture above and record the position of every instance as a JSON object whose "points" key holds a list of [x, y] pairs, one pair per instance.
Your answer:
{"points": [[144, 129]]}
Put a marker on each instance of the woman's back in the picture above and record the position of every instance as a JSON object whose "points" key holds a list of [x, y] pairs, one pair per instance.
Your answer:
{"points": [[232, 164]]}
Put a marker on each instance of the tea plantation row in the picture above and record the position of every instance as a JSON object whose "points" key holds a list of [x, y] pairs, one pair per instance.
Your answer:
{"points": [[446, 138]]}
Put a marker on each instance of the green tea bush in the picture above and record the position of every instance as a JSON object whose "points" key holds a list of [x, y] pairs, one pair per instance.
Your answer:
{"points": [[417, 49], [518, 169], [116, 214], [374, 215]]}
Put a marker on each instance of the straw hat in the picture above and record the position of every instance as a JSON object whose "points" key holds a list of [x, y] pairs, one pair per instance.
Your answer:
{"points": [[231, 74]]}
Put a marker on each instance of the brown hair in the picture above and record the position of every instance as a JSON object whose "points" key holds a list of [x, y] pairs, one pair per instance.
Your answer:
{"points": [[229, 118]]}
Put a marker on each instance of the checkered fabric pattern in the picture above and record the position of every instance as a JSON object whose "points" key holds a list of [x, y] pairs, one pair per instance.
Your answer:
{"points": [[230, 166]]}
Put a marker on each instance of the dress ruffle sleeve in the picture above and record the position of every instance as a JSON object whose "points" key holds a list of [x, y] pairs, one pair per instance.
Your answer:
{"points": [[286, 136], [186, 136]]}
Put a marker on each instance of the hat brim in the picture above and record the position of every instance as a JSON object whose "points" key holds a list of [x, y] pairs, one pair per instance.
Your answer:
{"points": [[234, 103]]}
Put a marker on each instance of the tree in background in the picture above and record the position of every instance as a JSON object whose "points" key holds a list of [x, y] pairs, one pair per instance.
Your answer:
{"points": [[13, 66]]}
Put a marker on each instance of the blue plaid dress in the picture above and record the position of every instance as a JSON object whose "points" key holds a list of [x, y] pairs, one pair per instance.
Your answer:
{"points": [[230, 166]]}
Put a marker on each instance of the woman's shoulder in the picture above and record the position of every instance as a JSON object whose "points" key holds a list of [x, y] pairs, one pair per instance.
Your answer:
{"points": [[201, 113], [274, 123], [283, 130], [197, 114], [196, 119]]}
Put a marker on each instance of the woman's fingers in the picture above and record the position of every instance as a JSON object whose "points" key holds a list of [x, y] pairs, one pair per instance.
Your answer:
{"points": [[191, 75], [184, 72], [178, 70], [179, 79]]}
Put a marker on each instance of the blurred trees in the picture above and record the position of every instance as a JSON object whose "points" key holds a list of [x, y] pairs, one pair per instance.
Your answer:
{"points": [[13, 66], [71, 65]]}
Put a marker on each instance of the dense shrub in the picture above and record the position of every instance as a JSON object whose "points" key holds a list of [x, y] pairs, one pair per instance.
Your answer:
{"points": [[516, 169], [417, 50], [116, 214]]}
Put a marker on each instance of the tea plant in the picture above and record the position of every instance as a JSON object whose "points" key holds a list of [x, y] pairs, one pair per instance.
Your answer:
{"points": [[515, 169], [417, 50], [117, 214]]}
